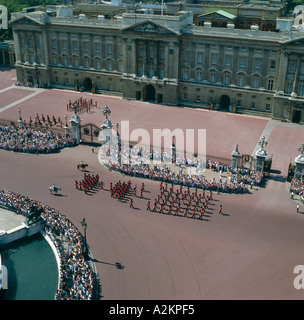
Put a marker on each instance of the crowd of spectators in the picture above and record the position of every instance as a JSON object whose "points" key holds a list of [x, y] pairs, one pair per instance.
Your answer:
{"points": [[76, 280], [139, 165], [29, 140], [297, 187]]}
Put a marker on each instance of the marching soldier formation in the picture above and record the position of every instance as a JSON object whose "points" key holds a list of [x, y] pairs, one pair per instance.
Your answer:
{"points": [[182, 202], [88, 182], [177, 201]]}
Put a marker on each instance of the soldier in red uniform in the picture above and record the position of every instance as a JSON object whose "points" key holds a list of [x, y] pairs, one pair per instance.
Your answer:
{"points": [[148, 206], [131, 203]]}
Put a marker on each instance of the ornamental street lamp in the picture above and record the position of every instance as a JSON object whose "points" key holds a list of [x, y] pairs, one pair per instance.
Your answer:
{"points": [[85, 248], [20, 119], [66, 128]]}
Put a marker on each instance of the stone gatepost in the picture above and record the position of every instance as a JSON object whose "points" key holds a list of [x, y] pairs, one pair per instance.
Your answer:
{"points": [[299, 170], [75, 123], [106, 128], [235, 158], [261, 155]]}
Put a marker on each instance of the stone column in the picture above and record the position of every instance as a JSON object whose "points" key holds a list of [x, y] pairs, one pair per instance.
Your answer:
{"points": [[176, 67], [296, 77], [125, 56], [249, 66], [166, 62], [133, 56], [17, 46], [280, 86], [45, 47], [235, 63], [235, 158]]}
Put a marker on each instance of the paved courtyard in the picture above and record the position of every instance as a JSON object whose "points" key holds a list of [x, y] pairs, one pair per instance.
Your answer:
{"points": [[247, 253]]}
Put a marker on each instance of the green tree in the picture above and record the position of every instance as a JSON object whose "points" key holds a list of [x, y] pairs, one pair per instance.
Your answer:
{"points": [[18, 5]]}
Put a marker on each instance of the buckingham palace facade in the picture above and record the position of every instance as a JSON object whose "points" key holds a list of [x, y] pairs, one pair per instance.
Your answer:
{"points": [[164, 59]]}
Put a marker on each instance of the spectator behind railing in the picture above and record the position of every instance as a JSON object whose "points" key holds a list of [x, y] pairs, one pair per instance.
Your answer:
{"points": [[140, 166], [75, 275], [32, 140]]}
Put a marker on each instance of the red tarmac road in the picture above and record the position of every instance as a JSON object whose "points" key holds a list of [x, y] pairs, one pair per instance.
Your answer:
{"points": [[248, 253]]}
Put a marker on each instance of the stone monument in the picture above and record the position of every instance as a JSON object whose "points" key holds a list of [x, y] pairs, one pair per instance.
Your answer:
{"points": [[261, 155], [235, 158], [75, 123], [106, 126], [299, 170]]}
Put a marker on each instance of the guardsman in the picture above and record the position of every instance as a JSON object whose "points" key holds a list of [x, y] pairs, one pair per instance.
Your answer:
{"points": [[221, 209], [148, 206], [131, 203]]}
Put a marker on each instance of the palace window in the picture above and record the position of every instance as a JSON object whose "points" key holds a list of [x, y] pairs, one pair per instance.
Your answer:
{"points": [[292, 67], [186, 56], [86, 63], [63, 44], [200, 56], [212, 77], [140, 70], [272, 64], [270, 84], [301, 89], [75, 45], [186, 74], [161, 72], [226, 79], [257, 63], [213, 58], [289, 87], [255, 82], [162, 54], [98, 64], [65, 60], [241, 81], [199, 75], [97, 47], [76, 62], [242, 62], [86, 46], [140, 52], [227, 60], [151, 71]]}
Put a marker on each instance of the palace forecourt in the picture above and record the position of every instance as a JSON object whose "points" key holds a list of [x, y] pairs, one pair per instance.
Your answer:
{"points": [[247, 253]]}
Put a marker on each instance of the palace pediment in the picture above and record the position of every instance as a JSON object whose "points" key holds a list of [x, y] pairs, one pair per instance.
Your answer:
{"points": [[150, 27], [217, 15], [295, 42], [29, 20]]}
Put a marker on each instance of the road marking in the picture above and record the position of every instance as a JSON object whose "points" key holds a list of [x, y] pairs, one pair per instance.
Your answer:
{"points": [[20, 100]]}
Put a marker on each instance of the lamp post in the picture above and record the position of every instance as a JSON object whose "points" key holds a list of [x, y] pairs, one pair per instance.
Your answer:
{"points": [[20, 119], [85, 249], [173, 149], [66, 128]]}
